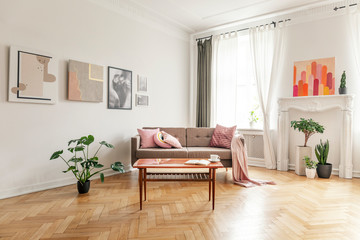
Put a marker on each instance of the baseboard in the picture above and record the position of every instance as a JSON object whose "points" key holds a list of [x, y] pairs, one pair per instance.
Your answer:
{"points": [[17, 191], [256, 162], [335, 171]]}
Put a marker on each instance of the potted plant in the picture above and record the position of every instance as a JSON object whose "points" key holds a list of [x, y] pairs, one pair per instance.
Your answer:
{"points": [[309, 128], [342, 88], [253, 118], [81, 165], [310, 167], [323, 168]]}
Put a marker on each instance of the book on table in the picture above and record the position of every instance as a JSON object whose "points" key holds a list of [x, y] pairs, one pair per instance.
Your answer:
{"points": [[197, 162]]}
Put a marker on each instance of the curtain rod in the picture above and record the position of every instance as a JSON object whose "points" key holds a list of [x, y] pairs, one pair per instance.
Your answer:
{"points": [[350, 5], [243, 29]]}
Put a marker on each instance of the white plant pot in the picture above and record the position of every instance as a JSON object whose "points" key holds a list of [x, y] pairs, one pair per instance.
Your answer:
{"points": [[300, 153], [310, 172]]}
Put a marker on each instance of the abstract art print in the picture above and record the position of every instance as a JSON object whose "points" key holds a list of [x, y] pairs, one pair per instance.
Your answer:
{"points": [[142, 84], [142, 100], [314, 77], [120, 88], [32, 76], [85, 82]]}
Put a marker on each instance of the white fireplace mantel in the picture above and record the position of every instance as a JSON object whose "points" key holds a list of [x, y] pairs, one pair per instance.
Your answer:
{"points": [[344, 103]]}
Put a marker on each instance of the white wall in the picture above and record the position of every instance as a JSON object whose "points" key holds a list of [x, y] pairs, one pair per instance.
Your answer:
{"points": [[328, 37], [83, 31]]}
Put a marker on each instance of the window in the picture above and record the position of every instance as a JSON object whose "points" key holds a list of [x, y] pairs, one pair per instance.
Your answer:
{"points": [[236, 92]]}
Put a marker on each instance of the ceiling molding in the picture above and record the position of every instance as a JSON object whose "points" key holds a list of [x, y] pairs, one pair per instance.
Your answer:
{"points": [[318, 9], [137, 13]]}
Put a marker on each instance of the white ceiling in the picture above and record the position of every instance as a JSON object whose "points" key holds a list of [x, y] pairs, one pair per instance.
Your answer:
{"points": [[197, 15]]}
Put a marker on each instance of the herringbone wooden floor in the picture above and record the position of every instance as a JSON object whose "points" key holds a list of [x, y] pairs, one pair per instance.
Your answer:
{"points": [[295, 208]]}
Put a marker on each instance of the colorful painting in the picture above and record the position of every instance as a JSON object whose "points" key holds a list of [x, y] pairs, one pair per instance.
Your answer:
{"points": [[32, 76], [314, 77], [85, 82]]}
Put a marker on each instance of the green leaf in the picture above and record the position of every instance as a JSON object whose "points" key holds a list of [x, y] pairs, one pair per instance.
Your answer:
{"points": [[98, 165], [75, 159], [102, 177], [118, 166], [71, 149], [72, 141], [56, 154], [106, 144], [79, 148], [89, 140], [95, 159], [69, 169]]}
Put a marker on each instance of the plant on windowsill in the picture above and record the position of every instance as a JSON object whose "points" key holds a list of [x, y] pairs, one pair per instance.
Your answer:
{"points": [[81, 165], [310, 167], [322, 151], [309, 128], [253, 118], [342, 88]]}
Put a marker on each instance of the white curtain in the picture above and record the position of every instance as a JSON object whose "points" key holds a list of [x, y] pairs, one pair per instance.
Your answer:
{"points": [[224, 77], [354, 23], [267, 48]]}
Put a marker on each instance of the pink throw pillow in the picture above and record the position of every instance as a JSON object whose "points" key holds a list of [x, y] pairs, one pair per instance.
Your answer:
{"points": [[159, 140], [171, 140], [147, 137], [222, 136]]}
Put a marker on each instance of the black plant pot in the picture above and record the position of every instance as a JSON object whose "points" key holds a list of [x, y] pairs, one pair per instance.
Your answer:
{"points": [[83, 188], [324, 171], [342, 91]]}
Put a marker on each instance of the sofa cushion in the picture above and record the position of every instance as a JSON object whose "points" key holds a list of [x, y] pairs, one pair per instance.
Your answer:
{"points": [[179, 133], [159, 140], [199, 137], [222, 136], [171, 140], [205, 152], [162, 153], [147, 137]]}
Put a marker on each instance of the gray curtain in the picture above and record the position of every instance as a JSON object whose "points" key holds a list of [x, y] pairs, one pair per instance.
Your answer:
{"points": [[203, 105]]}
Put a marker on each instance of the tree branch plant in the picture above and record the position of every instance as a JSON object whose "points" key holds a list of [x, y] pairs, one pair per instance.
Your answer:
{"points": [[81, 164], [308, 127]]}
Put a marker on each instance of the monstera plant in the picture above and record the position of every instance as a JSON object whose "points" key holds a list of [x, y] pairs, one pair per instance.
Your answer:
{"points": [[84, 166]]}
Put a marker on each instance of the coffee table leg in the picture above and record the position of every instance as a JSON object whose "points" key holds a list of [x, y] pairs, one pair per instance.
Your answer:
{"points": [[210, 184], [213, 188], [145, 184], [140, 186]]}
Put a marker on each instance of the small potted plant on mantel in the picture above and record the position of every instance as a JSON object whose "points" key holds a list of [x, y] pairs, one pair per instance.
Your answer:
{"points": [[309, 128], [310, 167], [342, 88], [322, 151], [84, 166]]}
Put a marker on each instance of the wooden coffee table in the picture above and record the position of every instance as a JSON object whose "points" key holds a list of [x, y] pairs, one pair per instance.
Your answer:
{"points": [[144, 176]]}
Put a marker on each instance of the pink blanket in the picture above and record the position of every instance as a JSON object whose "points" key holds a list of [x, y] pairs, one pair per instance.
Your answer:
{"points": [[240, 165]]}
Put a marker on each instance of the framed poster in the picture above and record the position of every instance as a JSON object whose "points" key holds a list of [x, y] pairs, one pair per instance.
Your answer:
{"points": [[142, 100], [120, 88], [142, 83], [314, 77], [32, 76], [85, 82]]}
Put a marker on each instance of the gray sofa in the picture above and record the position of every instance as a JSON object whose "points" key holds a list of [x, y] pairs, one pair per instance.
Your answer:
{"points": [[195, 143]]}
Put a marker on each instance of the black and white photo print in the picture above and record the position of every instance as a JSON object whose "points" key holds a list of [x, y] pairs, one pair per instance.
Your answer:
{"points": [[120, 88], [142, 100], [142, 84]]}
